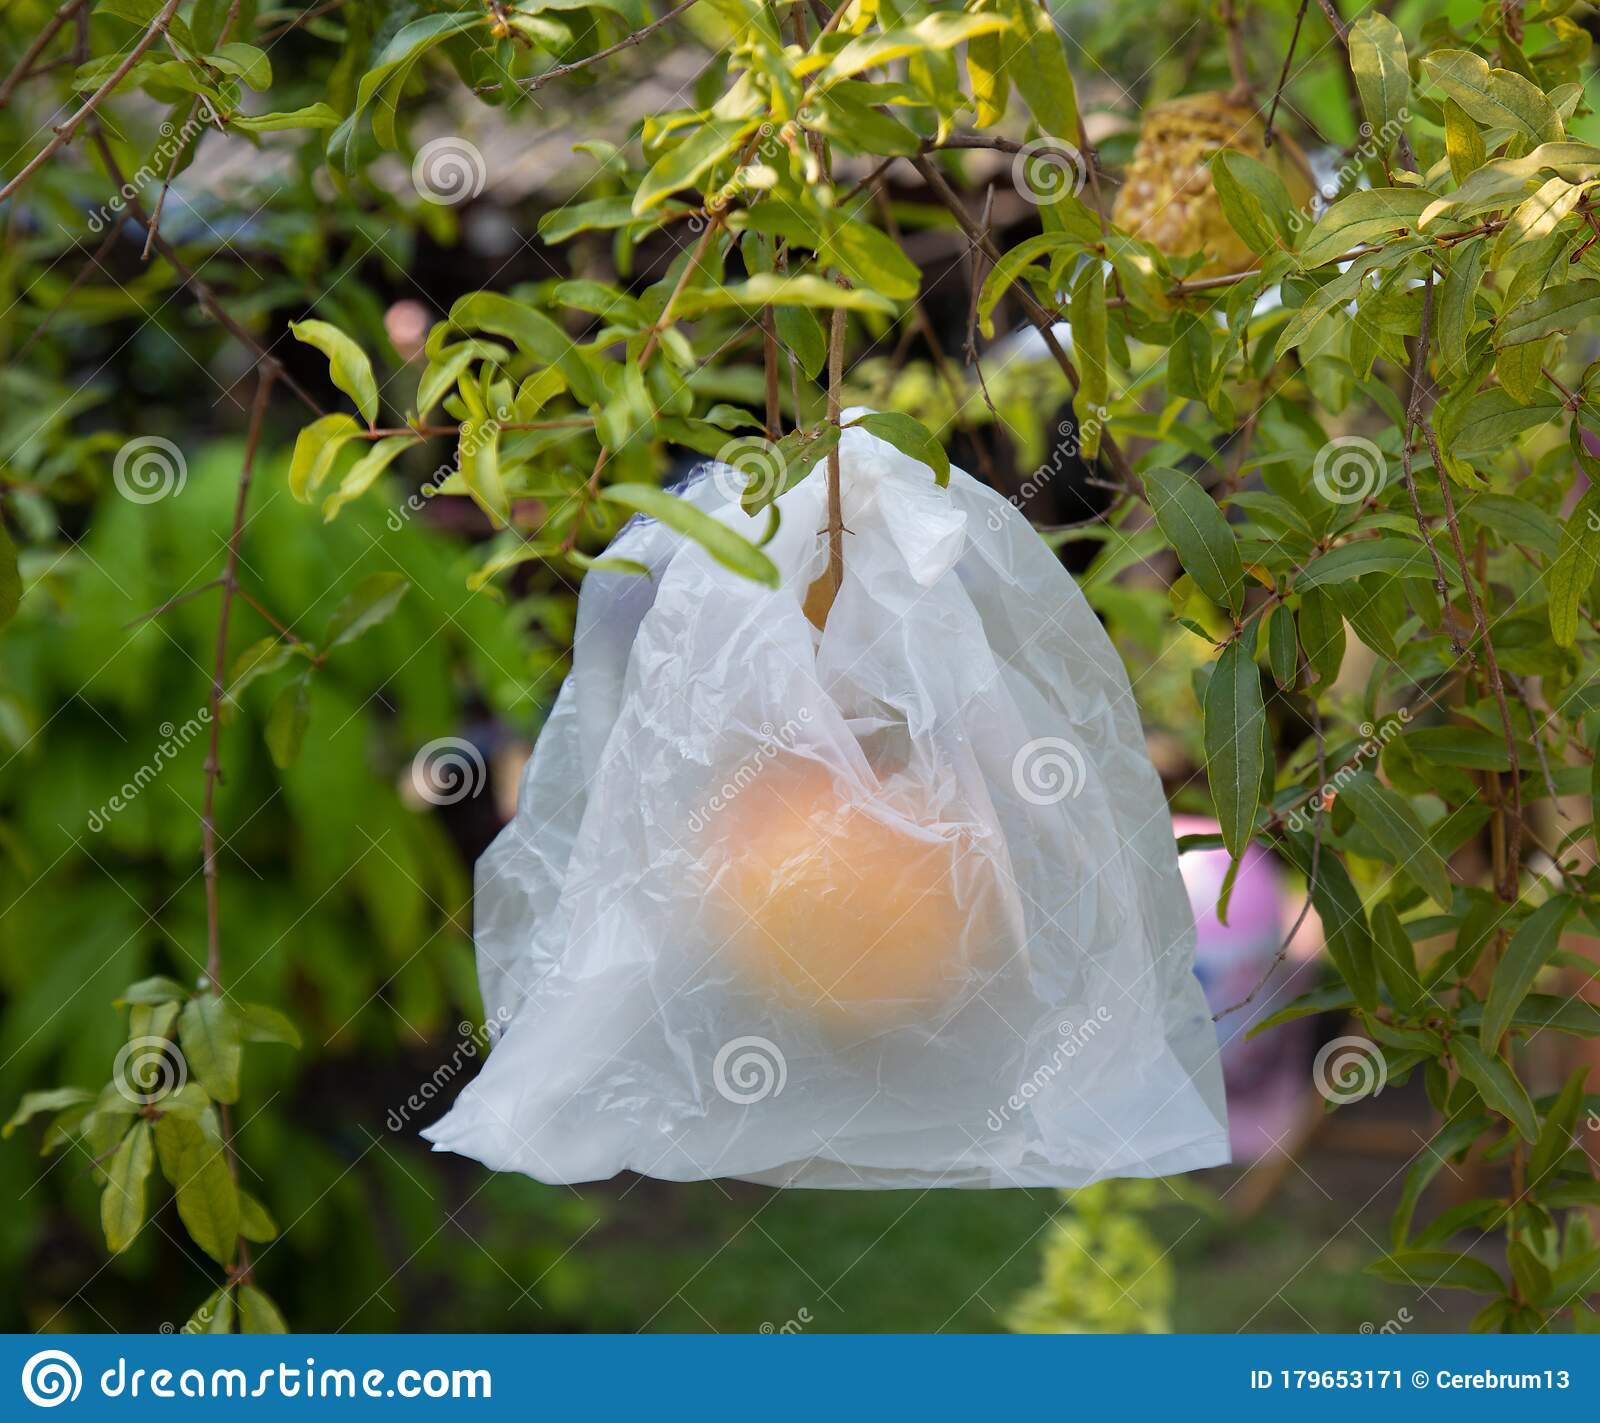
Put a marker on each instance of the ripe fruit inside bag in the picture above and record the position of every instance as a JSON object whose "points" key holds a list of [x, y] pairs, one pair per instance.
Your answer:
{"points": [[888, 902]]}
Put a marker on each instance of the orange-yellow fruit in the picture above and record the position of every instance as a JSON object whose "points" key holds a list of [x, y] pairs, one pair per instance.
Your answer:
{"points": [[841, 909], [1167, 198]]}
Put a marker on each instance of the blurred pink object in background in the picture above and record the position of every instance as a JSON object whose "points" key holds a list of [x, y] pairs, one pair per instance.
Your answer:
{"points": [[1266, 1077]]}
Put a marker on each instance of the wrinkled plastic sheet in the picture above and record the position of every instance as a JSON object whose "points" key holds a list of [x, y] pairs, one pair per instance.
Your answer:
{"points": [[892, 902]]}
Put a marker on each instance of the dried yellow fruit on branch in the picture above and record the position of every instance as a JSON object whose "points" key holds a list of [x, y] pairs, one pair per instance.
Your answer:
{"points": [[1167, 198]]}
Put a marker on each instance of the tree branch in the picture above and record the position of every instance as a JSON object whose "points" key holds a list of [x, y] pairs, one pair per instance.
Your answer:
{"points": [[64, 134]]}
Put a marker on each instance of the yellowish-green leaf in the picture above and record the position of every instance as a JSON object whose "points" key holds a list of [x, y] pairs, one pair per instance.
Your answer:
{"points": [[315, 449], [1498, 98], [122, 1199], [348, 365], [729, 549], [208, 1033]]}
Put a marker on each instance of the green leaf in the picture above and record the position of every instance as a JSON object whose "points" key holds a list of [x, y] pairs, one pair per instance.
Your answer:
{"points": [[122, 1200], [1038, 67], [215, 1316], [501, 315], [1462, 141], [403, 49], [193, 1161], [347, 364], [288, 720], [800, 331], [1011, 265], [250, 64], [1557, 308], [1530, 948], [1383, 78], [258, 1314], [1234, 718], [770, 289], [1392, 554], [986, 69], [255, 1220], [158, 989], [729, 549], [1359, 218], [1555, 1136], [265, 655], [1437, 1269], [1283, 651], [1497, 98], [1458, 301], [597, 213], [936, 32], [10, 578], [315, 449], [260, 1024], [317, 115], [1452, 1138], [1253, 199], [208, 1033], [700, 151], [1087, 311], [1195, 527], [1498, 1083], [911, 437], [1344, 919], [1574, 568], [1321, 634], [368, 604], [1320, 1000], [55, 1099], [857, 126], [1389, 817], [1397, 960], [1539, 1012], [365, 471]]}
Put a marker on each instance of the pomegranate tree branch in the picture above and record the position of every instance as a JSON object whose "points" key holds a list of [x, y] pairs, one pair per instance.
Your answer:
{"points": [[65, 132], [25, 64]]}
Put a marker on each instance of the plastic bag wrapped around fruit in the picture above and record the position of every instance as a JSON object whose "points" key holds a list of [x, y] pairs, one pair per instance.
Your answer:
{"points": [[1167, 197], [893, 901]]}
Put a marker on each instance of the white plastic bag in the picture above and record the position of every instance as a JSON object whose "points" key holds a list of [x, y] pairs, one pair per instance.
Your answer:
{"points": [[893, 903]]}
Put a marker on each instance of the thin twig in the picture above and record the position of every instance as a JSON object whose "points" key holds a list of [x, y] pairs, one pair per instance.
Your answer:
{"points": [[1113, 453], [202, 292], [97, 257], [1311, 879], [1414, 401], [1513, 869], [266, 373], [172, 603], [1237, 65], [65, 132], [24, 66], [538, 81], [1283, 74]]}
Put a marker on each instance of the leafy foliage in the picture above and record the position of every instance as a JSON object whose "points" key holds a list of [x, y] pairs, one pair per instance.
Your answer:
{"points": [[1385, 599]]}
